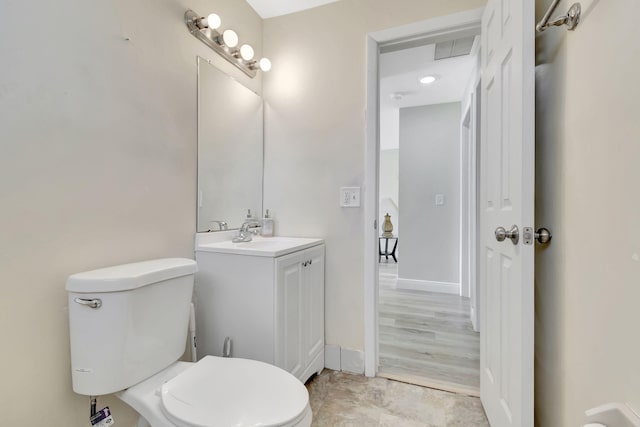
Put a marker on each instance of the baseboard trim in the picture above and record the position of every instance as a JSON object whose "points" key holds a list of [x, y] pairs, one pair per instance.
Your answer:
{"points": [[332, 357], [343, 359], [429, 286], [474, 322], [352, 361]]}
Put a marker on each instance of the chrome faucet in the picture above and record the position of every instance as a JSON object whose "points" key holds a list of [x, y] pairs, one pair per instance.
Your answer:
{"points": [[222, 225], [244, 235]]}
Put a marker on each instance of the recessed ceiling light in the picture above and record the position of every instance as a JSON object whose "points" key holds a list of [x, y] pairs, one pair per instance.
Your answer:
{"points": [[427, 80]]}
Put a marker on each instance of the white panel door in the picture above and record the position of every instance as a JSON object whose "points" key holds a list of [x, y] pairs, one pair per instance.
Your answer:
{"points": [[507, 194]]}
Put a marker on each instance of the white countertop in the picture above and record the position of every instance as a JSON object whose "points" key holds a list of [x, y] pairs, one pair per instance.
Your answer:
{"points": [[260, 246]]}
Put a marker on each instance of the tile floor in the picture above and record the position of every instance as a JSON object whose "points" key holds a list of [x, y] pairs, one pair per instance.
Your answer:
{"points": [[339, 399]]}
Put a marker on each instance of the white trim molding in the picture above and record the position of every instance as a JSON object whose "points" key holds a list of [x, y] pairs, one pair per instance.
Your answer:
{"points": [[352, 361], [428, 286], [332, 357], [338, 358], [372, 148]]}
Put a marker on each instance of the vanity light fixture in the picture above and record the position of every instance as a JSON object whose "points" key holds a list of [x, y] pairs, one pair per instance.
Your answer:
{"points": [[224, 42]]}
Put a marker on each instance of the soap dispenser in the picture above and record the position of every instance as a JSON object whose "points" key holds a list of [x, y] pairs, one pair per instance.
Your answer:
{"points": [[267, 225]]}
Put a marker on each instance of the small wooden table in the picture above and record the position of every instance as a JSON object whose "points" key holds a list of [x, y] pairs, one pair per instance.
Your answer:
{"points": [[386, 252]]}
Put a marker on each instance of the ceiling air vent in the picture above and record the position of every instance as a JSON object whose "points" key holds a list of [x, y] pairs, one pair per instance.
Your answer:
{"points": [[453, 48]]}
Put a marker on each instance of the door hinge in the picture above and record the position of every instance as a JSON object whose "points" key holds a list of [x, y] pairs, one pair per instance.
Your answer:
{"points": [[375, 224]]}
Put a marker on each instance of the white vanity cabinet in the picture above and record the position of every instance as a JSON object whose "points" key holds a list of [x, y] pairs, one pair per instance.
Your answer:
{"points": [[300, 312], [269, 302]]}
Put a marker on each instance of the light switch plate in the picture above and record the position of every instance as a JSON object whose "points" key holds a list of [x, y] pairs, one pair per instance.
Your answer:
{"points": [[439, 199], [350, 197]]}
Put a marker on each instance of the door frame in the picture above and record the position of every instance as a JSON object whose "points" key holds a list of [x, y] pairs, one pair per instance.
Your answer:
{"points": [[442, 26], [470, 194]]}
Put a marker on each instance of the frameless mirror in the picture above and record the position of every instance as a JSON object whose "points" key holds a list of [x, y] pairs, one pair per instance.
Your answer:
{"points": [[230, 150]]}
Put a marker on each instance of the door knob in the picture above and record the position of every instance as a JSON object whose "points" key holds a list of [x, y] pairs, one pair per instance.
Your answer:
{"points": [[513, 234], [542, 235]]}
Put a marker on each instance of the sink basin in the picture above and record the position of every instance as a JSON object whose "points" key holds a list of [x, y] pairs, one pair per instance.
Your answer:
{"points": [[261, 246]]}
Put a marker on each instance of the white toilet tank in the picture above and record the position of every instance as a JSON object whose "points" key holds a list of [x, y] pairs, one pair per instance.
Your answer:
{"points": [[127, 322]]}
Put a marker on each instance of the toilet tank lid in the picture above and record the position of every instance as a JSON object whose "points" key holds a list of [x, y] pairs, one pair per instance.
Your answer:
{"points": [[130, 276]]}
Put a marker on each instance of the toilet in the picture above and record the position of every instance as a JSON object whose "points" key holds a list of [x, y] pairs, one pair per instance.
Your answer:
{"points": [[128, 328]]}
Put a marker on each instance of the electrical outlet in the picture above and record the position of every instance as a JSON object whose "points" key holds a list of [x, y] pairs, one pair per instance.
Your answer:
{"points": [[350, 197]]}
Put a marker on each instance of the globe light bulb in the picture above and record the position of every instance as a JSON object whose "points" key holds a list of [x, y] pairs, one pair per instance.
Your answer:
{"points": [[265, 64], [213, 21], [230, 38], [246, 52]]}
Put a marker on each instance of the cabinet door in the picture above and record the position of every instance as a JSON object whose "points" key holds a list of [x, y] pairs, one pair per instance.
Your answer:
{"points": [[314, 303], [289, 313]]}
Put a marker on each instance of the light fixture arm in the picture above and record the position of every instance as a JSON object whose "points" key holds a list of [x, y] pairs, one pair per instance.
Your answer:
{"points": [[213, 39]]}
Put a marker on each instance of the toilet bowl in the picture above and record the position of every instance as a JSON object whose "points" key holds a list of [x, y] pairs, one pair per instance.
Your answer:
{"points": [[138, 313], [220, 392]]}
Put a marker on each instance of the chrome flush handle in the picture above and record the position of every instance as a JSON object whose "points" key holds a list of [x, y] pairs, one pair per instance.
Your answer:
{"points": [[93, 303]]}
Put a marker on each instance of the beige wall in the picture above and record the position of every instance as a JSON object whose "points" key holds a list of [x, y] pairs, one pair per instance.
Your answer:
{"points": [[315, 135], [97, 167], [588, 148]]}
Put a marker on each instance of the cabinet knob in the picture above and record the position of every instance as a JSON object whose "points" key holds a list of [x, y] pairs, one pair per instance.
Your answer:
{"points": [[304, 264], [310, 261]]}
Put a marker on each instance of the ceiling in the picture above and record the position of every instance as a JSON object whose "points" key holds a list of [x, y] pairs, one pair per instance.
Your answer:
{"points": [[271, 8], [401, 71], [400, 87]]}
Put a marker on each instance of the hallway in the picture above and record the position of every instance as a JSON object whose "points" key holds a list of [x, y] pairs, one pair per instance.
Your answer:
{"points": [[426, 338]]}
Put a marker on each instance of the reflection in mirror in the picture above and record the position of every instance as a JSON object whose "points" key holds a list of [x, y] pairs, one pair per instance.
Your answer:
{"points": [[230, 150]]}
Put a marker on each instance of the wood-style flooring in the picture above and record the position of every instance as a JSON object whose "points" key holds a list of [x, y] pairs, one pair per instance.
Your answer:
{"points": [[426, 338]]}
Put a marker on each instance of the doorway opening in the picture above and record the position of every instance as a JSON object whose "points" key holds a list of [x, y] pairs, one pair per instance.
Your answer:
{"points": [[382, 271], [505, 278], [428, 119]]}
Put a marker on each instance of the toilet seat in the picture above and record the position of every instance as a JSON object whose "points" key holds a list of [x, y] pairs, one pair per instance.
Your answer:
{"points": [[223, 392]]}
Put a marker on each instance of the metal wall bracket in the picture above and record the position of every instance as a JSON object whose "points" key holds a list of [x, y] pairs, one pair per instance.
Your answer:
{"points": [[571, 19]]}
